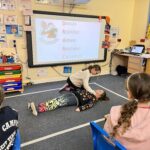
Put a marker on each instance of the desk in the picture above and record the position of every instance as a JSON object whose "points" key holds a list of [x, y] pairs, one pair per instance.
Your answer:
{"points": [[132, 62]]}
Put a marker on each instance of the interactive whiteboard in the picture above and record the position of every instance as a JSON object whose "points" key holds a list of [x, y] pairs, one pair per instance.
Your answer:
{"points": [[59, 38]]}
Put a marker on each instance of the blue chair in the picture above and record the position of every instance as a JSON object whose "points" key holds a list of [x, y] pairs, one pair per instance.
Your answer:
{"points": [[102, 140], [16, 145]]}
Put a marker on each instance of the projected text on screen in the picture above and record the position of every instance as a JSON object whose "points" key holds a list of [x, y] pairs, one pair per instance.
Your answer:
{"points": [[60, 39]]}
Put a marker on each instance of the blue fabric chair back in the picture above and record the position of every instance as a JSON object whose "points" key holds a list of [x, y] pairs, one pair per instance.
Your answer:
{"points": [[16, 145], [102, 140]]}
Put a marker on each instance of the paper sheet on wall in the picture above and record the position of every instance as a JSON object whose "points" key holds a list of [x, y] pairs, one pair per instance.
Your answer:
{"points": [[42, 1], [4, 4], [8, 4], [20, 31], [27, 12], [12, 29], [3, 29], [1, 19], [42, 72], [12, 5], [2, 38], [114, 31], [10, 19], [25, 5], [3, 45], [27, 28]]}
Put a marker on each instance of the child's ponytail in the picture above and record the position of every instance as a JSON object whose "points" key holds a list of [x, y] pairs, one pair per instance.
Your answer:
{"points": [[124, 121]]}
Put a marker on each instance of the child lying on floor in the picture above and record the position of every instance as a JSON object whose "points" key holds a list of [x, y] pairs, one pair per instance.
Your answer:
{"points": [[80, 98]]}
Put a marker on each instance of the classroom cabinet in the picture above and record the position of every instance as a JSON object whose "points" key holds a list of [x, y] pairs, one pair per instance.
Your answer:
{"points": [[135, 64], [11, 77], [148, 66]]}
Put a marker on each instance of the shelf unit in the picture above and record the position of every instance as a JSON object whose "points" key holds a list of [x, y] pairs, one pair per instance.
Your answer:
{"points": [[11, 77]]}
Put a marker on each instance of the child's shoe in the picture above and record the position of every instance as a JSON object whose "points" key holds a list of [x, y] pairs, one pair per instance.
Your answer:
{"points": [[33, 108], [29, 106]]}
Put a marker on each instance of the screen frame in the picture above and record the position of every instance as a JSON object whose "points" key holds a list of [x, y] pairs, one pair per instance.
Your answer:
{"points": [[132, 52], [30, 48]]}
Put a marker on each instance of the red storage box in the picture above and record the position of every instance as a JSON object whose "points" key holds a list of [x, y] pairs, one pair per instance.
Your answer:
{"points": [[15, 67]]}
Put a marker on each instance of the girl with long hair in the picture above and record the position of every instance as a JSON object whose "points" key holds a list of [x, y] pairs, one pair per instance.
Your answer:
{"points": [[80, 80], [130, 123]]}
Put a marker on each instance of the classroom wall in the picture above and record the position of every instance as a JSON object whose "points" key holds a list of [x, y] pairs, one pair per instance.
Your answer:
{"points": [[140, 21], [123, 16]]}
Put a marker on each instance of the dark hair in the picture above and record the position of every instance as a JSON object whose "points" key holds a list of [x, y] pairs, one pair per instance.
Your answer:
{"points": [[96, 67], [138, 85], [103, 97], [1, 94]]}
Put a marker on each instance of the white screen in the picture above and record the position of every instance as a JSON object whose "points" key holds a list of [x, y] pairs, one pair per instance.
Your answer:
{"points": [[63, 39], [137, 49]]}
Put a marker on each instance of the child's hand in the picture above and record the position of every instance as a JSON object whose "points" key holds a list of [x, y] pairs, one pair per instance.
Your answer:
{"points": [[15, 110], [77, 109], [106, 116], [97, 95]]}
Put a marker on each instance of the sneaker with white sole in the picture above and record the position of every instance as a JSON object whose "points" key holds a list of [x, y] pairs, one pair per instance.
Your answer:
{"points": [[29, 106], [33, 108]]}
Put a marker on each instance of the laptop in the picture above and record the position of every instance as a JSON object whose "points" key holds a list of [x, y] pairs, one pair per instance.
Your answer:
{"points": [[137, 49]]}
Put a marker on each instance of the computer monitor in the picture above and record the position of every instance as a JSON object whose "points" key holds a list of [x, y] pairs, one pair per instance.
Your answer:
{"points": [[137, 49]]}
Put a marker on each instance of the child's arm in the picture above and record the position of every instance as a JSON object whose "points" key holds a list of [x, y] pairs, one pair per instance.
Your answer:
{"points": [[84, 107], [108, 124]]}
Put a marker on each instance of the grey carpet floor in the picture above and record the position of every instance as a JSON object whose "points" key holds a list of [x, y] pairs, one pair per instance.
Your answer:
{"points": [[32, 127]]}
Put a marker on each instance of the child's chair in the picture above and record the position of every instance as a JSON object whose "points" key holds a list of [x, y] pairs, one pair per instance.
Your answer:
{"points": [[102, 140], [16, 145]]}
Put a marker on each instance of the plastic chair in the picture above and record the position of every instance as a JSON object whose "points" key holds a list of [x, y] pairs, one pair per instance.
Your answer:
{"points": [[16, 145], [102, 140]]}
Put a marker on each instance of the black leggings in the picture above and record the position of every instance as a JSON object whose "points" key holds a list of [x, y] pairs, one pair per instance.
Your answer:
{"points": [[73, 86]]}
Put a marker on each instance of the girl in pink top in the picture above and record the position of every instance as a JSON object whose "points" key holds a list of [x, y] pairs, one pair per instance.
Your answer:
{"points": [[130, 123]]}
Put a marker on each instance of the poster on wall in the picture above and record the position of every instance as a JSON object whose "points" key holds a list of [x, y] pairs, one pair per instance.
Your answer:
{"points": [[12, 29], [42, 72], [1, 19], [8, 4], [2, 29], [114, 32], [12, 5], [10, 19], [2, 38], [4, 4], [42, 1], [20, 31], [25, 4]]}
